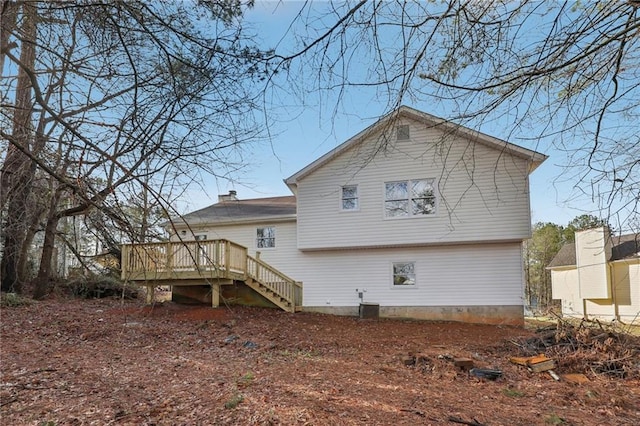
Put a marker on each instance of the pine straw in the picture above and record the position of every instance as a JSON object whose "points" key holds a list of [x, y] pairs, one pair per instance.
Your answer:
{"points": [[588, 347]]}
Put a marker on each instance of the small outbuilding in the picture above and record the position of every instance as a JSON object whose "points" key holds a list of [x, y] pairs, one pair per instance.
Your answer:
{"points": [[598, 276]]}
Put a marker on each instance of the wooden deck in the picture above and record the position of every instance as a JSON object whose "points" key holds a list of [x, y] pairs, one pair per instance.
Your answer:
{"points": [[212, 262]]}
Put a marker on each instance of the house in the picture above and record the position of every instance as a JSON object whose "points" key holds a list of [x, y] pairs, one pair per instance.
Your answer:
{"points": [[416, 214], [598, 276]]}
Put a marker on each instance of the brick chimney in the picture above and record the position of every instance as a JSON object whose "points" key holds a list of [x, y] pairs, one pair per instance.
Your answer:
{"points": [[231, 196]]}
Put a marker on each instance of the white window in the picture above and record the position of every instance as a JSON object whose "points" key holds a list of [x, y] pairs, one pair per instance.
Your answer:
{"points": [[266, 237], [350, 198], [409, 198], [402, 132], [404, 274], [201, 237]]}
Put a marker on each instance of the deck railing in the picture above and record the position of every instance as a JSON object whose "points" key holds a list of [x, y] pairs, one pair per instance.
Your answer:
{"points": [[177, 260], [153, 258]]}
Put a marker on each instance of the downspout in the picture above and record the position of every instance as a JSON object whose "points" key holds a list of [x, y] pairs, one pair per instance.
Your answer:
{"points": [[614, 299]]}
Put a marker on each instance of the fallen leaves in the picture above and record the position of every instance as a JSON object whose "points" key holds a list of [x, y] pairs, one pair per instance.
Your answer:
{"points": [[175, 364]]}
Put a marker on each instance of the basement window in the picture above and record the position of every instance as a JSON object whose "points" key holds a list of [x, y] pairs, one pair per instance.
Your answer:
{"points": [[404, 274], [266, 237]]}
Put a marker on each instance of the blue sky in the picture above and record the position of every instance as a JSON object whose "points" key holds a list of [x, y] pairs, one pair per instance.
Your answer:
{"points": [[301, 134]]}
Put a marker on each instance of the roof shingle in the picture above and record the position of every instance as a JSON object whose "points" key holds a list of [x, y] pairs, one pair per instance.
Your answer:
{"points": [[241, 210]]}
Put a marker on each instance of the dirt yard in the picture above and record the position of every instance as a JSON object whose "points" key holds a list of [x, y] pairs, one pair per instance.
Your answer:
{"points": [[101, 362]]}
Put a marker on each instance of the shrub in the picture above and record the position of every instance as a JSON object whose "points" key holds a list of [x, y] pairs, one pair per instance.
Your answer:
{"points": [[99, 286], [11, 300]]}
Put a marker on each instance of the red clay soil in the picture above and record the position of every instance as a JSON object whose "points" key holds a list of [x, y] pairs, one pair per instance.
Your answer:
{"points": [[75, 362]]}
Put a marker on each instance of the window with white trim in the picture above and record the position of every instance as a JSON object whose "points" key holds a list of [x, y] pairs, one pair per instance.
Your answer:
{"points": [[404, 274], [349, 200], [266, 237], [409, 198]]}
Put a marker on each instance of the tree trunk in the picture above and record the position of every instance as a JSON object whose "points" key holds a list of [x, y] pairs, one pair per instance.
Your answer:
{"points": [[8, 23], [16, 178], [44, 272]]}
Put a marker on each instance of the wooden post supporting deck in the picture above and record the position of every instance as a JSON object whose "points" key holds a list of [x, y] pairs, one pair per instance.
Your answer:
{"points": [[150, 294], [215, 295]]}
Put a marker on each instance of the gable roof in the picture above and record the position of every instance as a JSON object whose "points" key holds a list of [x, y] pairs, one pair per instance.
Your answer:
{"points": [[536, 158], [624, 247], [235, 211]]}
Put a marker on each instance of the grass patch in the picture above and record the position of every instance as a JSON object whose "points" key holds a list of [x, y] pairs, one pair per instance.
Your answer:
{"points": [[234, 402], [554, 419], [245, 380], [300, 353], [513, 393]]}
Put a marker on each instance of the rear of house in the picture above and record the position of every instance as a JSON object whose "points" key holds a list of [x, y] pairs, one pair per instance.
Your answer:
{"points": [[420, 216], [598, 276]]}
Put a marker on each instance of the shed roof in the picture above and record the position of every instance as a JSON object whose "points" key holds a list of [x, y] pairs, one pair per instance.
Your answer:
{"points": [[624, 247], [231, 211]]}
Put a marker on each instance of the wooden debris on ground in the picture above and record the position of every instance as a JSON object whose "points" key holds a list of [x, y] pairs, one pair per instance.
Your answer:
{"points": [[536, 364], [464, 364], [576, 378], [590, 347]]}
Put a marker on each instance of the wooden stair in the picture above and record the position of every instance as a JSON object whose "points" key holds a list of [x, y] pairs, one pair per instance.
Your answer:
{"points": [[273, 285], [270, 295]]}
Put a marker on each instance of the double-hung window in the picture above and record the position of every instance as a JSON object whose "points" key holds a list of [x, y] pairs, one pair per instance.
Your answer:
{"points": [[404, 274], [349, 200], [266, 237], [410, 198]]}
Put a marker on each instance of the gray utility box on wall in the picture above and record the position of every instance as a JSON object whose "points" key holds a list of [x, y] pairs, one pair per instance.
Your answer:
{"points": [[369, 310]]}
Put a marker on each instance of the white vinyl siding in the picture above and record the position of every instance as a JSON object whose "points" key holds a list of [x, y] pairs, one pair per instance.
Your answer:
{"points": [[625, 279], [492, 273], [591, 258], [282, 257], [564, 286], [483, 194]]}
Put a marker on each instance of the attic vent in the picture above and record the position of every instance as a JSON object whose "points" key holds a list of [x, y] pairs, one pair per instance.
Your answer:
{"points": [[402, 132]]}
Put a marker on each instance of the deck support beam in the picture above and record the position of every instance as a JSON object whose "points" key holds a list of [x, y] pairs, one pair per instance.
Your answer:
{"points": [[215, 295], [150, 294]]}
